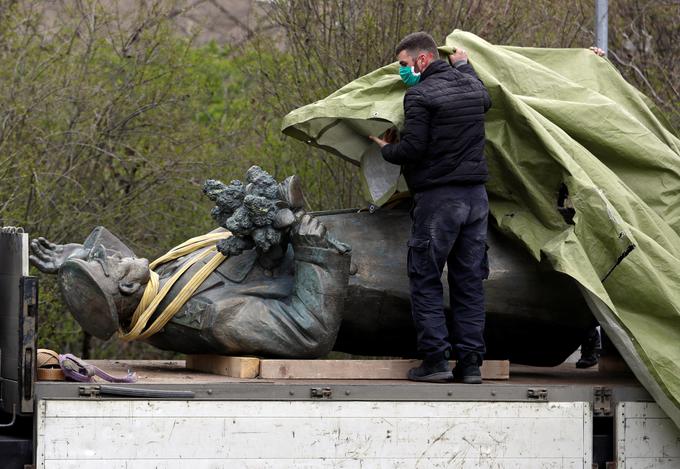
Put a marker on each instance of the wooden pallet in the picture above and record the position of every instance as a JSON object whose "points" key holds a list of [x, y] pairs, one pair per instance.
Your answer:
{"points": [[234, 367], [249, 367]]}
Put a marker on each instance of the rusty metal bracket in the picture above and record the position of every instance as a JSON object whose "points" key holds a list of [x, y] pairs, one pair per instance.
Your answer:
{"points": [[89, 391], [539, 394], [602, 400], [321, 393]]}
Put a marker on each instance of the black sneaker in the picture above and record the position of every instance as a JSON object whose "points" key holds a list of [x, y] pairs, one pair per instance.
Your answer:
{"points": [[588, 359], [432, 372], [589, 349], [467, 369]]}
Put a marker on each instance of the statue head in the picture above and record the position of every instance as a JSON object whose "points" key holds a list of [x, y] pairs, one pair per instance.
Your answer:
{"points": [[102, 289]]}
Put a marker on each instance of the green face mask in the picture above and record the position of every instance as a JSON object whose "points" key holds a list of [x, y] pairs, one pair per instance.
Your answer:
{"points": [[408, 75]]}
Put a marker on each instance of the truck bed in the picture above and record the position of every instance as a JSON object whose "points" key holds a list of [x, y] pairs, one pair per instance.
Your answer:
{"points": [[540, 417], [526, 383]]}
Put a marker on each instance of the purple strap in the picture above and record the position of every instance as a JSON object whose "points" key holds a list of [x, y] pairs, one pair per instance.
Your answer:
{"points": [[79, 370]]}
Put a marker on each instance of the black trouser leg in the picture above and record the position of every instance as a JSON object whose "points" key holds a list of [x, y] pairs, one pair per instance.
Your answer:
{"points": [[440, 217], [467, 268]]}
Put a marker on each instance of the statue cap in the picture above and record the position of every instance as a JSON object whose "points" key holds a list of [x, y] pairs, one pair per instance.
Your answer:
{"points": [[93, 308]]}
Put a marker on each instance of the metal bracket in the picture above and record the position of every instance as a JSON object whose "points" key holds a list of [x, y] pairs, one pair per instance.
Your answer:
{"points": [[321, 393], [27, 342], [100, 390], [602, 400], [14, 417], [89, 391], [539, 394]]}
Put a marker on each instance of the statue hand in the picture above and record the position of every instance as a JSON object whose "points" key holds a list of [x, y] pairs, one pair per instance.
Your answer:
{"points": [[48, 257], [309, 231]]}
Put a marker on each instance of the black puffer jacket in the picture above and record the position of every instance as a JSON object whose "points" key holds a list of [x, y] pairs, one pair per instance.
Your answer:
{"points": [[443, 137]]}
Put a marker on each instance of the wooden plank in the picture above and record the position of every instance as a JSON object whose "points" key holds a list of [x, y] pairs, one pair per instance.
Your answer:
{"points": [[159, 371], [234, 367], [361, 369]]}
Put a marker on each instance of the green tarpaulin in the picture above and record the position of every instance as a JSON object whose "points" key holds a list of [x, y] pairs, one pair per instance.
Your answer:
{"points": [[561, 118]]}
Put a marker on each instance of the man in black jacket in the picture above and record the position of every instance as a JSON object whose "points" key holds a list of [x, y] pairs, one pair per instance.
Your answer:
{"points": [[441, 152]]}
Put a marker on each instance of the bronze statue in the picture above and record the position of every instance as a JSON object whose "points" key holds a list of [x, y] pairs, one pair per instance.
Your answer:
{"points": [[298, 292]]}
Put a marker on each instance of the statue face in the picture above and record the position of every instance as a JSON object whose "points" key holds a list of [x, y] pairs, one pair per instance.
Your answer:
{"points": [[101, 290], [128, 273]]}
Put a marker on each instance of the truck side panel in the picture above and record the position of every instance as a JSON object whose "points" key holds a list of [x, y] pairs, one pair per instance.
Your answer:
{"points": [[645, 437], [277, 434]]}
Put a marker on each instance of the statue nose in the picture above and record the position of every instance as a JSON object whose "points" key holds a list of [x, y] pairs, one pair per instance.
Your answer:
{"points": [[139, 269]]}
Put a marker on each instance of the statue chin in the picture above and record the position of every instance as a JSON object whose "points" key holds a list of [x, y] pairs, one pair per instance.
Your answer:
{"points": [[86, 293]]}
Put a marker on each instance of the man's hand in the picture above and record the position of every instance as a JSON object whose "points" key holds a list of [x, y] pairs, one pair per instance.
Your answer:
{"points": [[458, 56], [48, 257], [390, 136], [381, 143], [597, 51]]}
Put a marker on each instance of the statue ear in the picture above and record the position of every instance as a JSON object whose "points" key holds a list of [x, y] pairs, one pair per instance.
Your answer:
{"points": [[128, 288]]}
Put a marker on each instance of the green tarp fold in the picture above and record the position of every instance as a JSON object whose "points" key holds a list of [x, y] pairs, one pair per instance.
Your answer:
{"points": [[563, 120]]}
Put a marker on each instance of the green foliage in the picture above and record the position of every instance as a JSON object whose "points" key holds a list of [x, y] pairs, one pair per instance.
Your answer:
{"points": [[107, 125], [119, 125]]}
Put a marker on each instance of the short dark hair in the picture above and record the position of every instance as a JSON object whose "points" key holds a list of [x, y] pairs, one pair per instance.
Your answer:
{"points": [[417, 42]]}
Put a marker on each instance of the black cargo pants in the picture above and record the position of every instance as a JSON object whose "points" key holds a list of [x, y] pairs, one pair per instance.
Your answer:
{"points": [[449, 226]]}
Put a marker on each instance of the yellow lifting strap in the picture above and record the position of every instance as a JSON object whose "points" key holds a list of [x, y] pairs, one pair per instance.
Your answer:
{"points": [[152, 297]]}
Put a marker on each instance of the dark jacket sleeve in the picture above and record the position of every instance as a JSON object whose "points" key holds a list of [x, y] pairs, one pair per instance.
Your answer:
{"points": [[413, 142], [467, 69]]}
